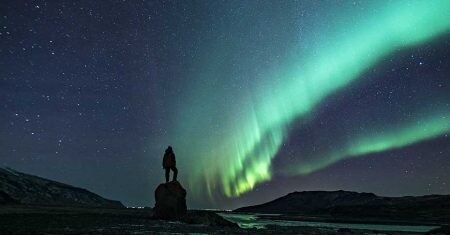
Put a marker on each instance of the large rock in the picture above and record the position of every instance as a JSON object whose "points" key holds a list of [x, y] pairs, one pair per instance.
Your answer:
{"points": [[207, 218], [170, 201]]}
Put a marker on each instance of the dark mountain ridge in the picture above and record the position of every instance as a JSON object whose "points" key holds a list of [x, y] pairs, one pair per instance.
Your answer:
{"points": [[354, 204], [24, 189]]}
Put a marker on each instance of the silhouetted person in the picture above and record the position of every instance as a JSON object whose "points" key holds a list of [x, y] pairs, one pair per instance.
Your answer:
{"points": [[169, 163]]}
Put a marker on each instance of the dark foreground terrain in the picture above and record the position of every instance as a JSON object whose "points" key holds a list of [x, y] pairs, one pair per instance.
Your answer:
{"points": [[63, 220], [65, 209]]}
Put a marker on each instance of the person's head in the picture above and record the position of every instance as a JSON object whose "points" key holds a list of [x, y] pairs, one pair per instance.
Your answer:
{"points": [[169, 148]]}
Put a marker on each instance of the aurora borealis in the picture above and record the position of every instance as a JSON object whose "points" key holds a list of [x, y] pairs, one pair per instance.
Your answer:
{"points": [[250, 95], [258, 133]]}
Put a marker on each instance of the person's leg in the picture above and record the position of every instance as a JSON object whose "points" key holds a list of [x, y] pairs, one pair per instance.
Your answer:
{"points": [[175, 173], [167, 174]]}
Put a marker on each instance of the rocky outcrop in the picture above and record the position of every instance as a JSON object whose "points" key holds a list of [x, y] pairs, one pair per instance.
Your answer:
{"points": [[170, 201], [20, 188], [207, 218]]}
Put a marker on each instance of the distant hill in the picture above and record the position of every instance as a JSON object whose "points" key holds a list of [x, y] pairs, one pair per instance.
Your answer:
{"points": [[354, 204], [24, 189]]}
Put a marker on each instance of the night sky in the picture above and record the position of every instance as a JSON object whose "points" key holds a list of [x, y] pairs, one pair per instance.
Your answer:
{"points": [[257, 98]]}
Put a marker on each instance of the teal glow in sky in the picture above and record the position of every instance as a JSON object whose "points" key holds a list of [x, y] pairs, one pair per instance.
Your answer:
{"points": [[253, 123], [258, 98]]}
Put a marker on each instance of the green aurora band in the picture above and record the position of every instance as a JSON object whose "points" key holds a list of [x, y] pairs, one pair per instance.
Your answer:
{"points": [[290, 92], [390, 139]]}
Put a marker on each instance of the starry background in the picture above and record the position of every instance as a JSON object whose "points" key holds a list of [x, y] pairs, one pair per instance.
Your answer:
{"points": [[91, 93]]}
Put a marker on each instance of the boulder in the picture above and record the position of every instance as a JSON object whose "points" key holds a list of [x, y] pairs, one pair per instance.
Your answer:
{"points": [[170, 201], [207, 218]]}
